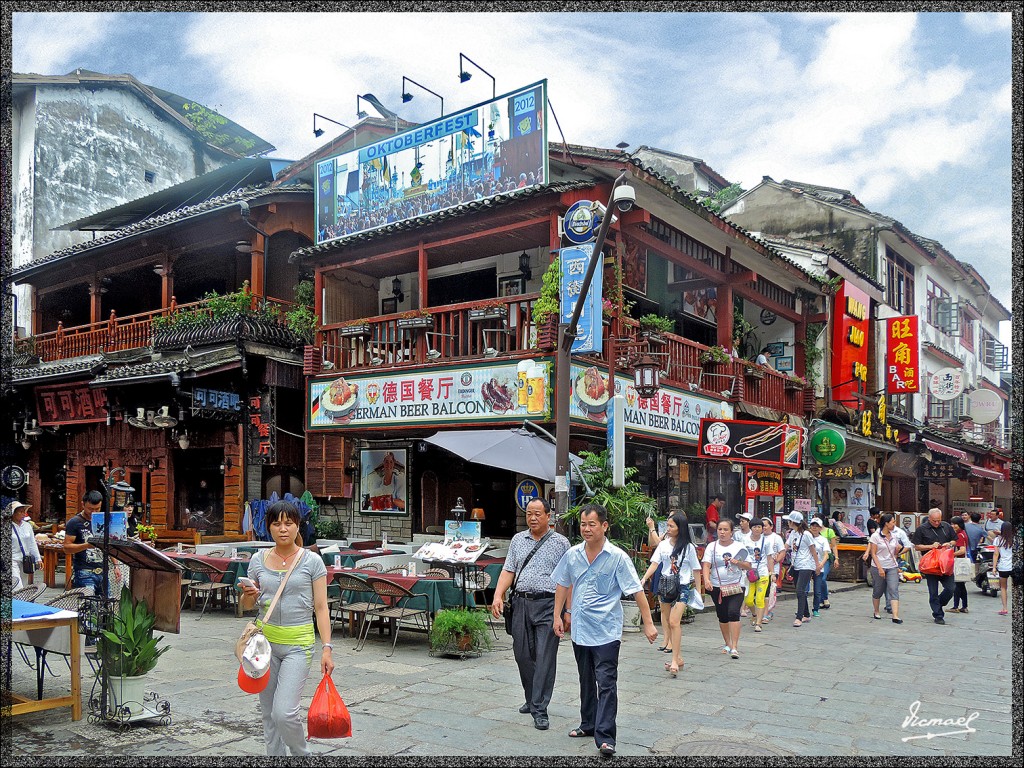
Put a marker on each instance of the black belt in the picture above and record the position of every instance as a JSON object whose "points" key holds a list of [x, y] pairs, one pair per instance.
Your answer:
{"points": [[535, 595]]}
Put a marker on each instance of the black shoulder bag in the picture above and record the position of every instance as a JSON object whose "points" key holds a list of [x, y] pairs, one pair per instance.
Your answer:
{"points": [[509, 607]]}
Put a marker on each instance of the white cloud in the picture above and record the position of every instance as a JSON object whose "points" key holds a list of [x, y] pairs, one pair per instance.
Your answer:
{"points": [[987, 23], [40, 46]]}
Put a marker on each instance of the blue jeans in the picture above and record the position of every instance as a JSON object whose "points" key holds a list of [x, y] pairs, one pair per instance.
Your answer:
{"points": [[598, 667], [86, 578]]}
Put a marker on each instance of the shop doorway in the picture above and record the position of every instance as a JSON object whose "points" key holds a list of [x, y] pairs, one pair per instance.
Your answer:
{"points": [[199, 491]]}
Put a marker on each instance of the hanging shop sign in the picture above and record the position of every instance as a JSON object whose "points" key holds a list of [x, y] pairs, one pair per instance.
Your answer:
{"points": [[935, 470], [764, 482], [472, 394], [261, 430], [493, 148], [751, 442], [827, 445], [64, 404], [986, 406], [581, 222], [13, 477], [840, 472], [526, 491], [850, 343], [946, 383], [215, 403], [671, 414], [574, 261], [902, 355]]}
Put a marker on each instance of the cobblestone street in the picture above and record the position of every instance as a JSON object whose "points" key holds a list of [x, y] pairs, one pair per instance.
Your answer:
{"points": [[841, 685]]}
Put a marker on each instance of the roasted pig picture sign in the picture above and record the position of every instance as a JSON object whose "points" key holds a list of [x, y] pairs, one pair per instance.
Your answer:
{"points": [[751, 442]]}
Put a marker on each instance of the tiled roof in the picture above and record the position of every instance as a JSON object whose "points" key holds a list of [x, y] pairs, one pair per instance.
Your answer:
{"points": [[168, 364], [244, 194], [447, 214], [56, 368]]}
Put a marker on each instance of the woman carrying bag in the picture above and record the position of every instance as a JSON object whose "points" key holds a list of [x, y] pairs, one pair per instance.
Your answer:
{"points": [[805, 560], [288, 628], [960, 552], [884, 550], [25, 557], [725, 564], [677, 556]]}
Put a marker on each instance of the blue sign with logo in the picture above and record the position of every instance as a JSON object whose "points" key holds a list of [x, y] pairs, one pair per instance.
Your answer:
{"points": [[589, 337], [526, 492], [580, 223]]}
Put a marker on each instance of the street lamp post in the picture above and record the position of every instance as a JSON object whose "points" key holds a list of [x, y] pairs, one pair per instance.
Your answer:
{"points": [[566, 335]]}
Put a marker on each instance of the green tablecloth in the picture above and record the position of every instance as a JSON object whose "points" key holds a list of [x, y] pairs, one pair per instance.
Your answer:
{"points": [[441, 593]]}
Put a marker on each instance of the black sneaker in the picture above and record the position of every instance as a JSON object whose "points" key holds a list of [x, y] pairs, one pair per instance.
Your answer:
{"points": [[940, 621], [541, 723], [888, 609], [524, 710]]}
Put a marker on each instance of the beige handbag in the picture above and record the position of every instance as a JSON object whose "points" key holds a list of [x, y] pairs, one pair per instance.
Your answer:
{"points": [[255, 627]]}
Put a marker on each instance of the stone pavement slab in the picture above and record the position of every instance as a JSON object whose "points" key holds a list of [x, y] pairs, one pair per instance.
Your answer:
{"points": [[840, 685]]}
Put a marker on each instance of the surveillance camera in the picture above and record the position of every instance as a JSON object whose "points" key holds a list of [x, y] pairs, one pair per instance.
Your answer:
{"points": [[624, 197]]}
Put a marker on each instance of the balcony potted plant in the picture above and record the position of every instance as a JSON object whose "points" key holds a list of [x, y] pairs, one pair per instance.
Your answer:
{"points": [[546, 308], [495, 309], [716, 355], [753, 371], [415, 319], [795, 383], [130, 652], [652, 326], [459, 632], [355, 329]]}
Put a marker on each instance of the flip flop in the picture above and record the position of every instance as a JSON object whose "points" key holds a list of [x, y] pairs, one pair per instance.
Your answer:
{"points": [[725, 649], [607, 749], [579, 733]]}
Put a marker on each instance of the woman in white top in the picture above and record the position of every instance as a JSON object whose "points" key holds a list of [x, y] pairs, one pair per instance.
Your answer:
{"points": [[821, 544], [676, 553], [1002, 563], [23, 542], [762, 555], [804, 556], [775, 543], [725, 564], [884, 549]]}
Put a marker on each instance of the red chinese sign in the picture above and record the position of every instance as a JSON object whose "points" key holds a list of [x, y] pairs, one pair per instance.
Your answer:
{"points": [[850, 344], [70, 404], [261, 432], [764, 482], [902, 355]]}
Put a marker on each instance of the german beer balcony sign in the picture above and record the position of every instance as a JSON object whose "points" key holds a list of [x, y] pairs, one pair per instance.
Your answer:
{"points": [[751, 442]]}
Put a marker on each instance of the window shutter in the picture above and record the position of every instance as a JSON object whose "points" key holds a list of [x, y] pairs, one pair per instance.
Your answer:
{"points": [[325, 464]]}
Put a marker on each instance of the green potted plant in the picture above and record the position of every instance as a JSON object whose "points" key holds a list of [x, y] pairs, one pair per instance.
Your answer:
{"points": [[146, 533], [714, 355], [130, 652], [415, 319], [355, 328], [544, 312], [652, 326], [459, 631]]}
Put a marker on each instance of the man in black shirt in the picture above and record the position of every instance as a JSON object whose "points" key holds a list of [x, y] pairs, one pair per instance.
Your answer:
{"points": [[86, 560], [936, 534]]}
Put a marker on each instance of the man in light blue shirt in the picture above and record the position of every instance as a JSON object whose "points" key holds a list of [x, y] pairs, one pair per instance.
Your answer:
{"points": [[598, 573]]}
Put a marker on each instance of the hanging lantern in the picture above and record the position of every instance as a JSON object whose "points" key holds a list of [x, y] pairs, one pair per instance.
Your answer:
{"points": [[646, 377]]}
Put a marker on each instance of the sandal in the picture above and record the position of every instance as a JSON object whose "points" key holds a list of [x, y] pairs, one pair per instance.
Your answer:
{"points": [[725, 649], [964, 610], [579, 733], [798, 623], [735, 653], [673, 670], [878, 617], [607, 749], [757, 627], [1002, 613]]}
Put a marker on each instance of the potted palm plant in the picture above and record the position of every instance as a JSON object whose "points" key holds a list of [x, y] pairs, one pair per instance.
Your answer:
{"points": [[458, 631], [129, 653]]}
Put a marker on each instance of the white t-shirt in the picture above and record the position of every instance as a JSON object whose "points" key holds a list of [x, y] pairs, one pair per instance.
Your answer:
{"points": [[901, 535], [722, 570], [687, 561], [886, 548], [773, 544], [821, 544], [740, 536], [1005, 562], [761, 552], [800, 546]]}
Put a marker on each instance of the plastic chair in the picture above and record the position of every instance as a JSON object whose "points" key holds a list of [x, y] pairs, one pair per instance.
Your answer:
{"points": [[351, 584], [205, 584], [393, 605]]}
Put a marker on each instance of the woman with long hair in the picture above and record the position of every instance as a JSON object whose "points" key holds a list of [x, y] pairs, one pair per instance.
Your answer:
{"points": [[884, 550], [725, 564], [676, 554], [1002, 561], [960, 590], [804, 556], [289, 629]]}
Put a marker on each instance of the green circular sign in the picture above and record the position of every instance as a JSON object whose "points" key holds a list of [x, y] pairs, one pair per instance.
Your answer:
{"points": [[827, 445]]}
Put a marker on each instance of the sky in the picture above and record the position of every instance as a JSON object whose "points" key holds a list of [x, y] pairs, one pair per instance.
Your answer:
{"points": [[910, 112]]}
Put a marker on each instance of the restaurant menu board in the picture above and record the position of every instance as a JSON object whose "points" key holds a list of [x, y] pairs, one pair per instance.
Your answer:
{"points": [[462, 543], [118, 524], [853, 499]]}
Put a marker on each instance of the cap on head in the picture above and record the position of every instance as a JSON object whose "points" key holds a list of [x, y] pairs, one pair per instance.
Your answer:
{"points": [[817, 521], [746, 516], [795, 517]]}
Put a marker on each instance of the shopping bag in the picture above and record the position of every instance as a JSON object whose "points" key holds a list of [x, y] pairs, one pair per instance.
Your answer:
{"points": [[937, 562], [963, 570], [328, 715]]}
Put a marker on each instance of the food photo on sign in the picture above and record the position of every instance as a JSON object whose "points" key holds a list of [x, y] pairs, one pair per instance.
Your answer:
{"points": [[754, 442]]}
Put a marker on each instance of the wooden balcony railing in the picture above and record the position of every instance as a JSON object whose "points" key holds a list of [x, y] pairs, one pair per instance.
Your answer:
{"points": [[116, 333]]}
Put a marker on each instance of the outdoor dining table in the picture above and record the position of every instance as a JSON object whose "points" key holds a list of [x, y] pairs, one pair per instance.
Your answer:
{"points": [[46, 627], [348, 557], [51, 552], [441, 593]]}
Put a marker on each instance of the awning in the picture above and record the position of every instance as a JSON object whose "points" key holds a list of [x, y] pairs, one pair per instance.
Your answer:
{"points": [[945, 449], [977, 471], [770, 414], [901, 464], [518, 450]]}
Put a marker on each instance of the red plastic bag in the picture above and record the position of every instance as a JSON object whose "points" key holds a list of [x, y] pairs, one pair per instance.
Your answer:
{"points": [[937, 562], [328, 715]]}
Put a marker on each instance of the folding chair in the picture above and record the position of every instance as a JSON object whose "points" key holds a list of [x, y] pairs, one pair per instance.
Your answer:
{"points": [[393, 606], [351, 584], [223, 587]]}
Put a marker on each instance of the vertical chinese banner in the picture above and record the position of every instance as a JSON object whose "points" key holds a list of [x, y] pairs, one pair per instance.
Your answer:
{"points": [[902, 355], [852, 308], [574, 262], [262, 434]]}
